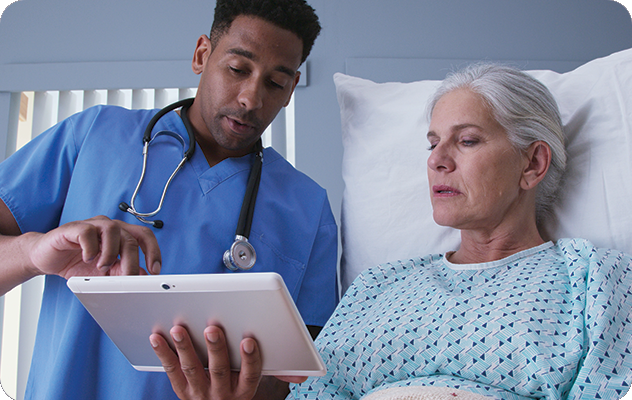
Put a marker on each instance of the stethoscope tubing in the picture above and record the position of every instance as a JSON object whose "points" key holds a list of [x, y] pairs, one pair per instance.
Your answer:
{"points": [[131, 208], [241, 254], [248, 206]]}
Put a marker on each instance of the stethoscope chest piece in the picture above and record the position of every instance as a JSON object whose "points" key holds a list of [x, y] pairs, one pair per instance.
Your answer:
{"points": [[241, 255]]}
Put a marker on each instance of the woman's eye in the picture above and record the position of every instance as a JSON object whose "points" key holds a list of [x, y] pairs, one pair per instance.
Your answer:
{"points": [[469, 142]]}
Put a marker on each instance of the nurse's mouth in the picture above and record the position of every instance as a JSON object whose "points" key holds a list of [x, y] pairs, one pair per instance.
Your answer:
{"points": [[239, 126]]}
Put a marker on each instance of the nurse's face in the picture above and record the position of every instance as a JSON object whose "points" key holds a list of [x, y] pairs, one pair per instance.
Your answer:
{"points": [[473, 170], [245, 80]]}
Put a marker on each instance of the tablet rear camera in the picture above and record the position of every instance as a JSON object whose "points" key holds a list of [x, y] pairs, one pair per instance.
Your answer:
{"points": [[165, 286]]}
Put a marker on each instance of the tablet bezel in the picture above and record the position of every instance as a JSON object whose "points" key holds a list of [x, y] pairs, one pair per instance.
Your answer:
{"points": [[244, 304]]}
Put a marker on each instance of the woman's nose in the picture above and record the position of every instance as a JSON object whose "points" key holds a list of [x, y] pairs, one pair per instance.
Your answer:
{"points": [[440, 159]]}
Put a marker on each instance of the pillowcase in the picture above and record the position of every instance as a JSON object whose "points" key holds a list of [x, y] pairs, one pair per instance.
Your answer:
{"points": [[386, 209]]}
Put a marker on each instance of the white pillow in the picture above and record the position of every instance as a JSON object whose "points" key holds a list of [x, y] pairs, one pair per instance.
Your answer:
{"points": [[386, 209]]}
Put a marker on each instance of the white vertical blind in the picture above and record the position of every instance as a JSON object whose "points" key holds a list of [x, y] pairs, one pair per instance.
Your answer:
{"points": [[45, 111], [70, 102], [93, 98], [50, 107]]}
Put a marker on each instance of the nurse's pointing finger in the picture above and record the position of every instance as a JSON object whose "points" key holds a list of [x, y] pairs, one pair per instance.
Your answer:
{"points": [[146, 240]]}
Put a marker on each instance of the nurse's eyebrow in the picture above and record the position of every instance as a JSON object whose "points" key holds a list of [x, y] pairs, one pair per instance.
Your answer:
{"points": [[251, 56], [242, 52]]}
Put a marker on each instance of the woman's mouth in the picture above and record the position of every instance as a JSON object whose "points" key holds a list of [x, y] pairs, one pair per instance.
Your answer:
{"points": [[444, 191]]}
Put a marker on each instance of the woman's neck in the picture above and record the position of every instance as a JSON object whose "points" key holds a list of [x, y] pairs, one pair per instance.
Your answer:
{"points": [[480, 247]]}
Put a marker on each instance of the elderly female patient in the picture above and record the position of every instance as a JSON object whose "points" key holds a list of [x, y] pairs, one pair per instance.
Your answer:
{"points": [[507, 315]]}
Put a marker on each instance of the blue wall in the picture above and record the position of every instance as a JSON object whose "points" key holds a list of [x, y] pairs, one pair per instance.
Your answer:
{"points": [[117, 37]]}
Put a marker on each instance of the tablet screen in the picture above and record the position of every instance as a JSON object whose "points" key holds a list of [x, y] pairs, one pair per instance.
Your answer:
{"points": [[130, 308]]}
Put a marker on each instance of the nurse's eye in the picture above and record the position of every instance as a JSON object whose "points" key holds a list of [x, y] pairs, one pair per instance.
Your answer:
{"points": [[276, 85], [236, 70]]}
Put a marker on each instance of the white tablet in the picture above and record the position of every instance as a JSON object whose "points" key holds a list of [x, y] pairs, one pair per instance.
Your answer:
{"points": [[130, 308]]}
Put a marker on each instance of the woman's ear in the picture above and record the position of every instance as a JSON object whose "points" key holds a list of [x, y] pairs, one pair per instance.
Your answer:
{"points": [[538, 161], [202, 50]]}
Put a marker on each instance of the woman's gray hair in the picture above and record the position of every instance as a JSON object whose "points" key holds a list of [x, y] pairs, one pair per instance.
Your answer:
{"points": [[527, 111]]}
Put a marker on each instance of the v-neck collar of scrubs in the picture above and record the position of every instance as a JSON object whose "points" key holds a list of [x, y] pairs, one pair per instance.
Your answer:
{"points": [[210, 177]]}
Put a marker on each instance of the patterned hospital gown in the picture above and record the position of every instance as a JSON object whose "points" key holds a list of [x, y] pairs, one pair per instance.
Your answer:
{"points": [[550, 322]]}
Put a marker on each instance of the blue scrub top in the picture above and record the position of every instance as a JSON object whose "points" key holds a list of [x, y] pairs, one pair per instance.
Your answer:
{"points": [[86, 165]]}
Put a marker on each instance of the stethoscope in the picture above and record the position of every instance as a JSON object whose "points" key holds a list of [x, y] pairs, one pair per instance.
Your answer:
{"points": [[241, 254]]}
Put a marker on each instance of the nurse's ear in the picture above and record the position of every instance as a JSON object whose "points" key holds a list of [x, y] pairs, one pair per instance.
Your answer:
{"points": [[297, 77], [538, 157], [200, 55]]}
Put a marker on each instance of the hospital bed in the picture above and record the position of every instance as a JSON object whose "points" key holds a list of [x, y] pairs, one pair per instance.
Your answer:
{"points": [[57, 58]]}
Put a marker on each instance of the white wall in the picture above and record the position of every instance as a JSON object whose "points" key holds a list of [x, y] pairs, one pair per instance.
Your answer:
{"points": [[4, 4], [627, 4]]}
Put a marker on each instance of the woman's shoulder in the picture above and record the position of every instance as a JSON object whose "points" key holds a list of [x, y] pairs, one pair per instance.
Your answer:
{"points": [[394, 271], [584, 248], [583, 258]]}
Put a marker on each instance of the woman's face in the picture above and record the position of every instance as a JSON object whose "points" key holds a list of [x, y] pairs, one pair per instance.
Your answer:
{"points": [[473, 170]]}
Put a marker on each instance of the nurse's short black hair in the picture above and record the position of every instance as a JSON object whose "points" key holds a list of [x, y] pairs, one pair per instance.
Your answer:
{"points": [[293, 15]]}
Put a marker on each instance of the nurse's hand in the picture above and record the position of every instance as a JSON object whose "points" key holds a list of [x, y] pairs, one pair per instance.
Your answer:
{"points": [[191, 381], [97, 246]]}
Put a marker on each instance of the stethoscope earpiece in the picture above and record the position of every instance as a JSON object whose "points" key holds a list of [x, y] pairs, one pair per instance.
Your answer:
{"points": [[123, 206], [241, 254]]}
